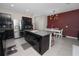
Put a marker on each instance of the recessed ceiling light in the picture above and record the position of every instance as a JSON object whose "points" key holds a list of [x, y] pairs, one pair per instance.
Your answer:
{"points": [[12, 5], [27, 10]]}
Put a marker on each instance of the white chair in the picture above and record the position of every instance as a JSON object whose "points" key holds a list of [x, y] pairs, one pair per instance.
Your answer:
{"points": [[58, 34]]}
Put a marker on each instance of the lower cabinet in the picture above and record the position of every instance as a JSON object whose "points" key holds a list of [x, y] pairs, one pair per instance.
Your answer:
{"points": [[21, 34], [3, 36], [2, 44], [33, 41], [1, 48], [39, 43], [9, 34]]}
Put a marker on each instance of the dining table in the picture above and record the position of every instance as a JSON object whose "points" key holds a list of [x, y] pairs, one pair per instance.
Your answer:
{"points": [[52, 31]]}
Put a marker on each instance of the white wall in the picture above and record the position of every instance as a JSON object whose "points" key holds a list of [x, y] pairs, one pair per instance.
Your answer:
{"points": [[40, 22]]}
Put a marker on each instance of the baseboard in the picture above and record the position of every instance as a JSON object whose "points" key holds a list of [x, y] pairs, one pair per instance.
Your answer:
{"points": [[72, 37]]}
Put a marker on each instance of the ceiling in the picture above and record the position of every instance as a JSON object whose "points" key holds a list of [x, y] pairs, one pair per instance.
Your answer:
{"points": [[40, 8]]}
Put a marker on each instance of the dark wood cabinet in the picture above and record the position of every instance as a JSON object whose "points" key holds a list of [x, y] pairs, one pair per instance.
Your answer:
{"points": [[2, 44], [9, 34], [38, 42], [33, 39], [26, 24], [6, 31], [6, 24]]}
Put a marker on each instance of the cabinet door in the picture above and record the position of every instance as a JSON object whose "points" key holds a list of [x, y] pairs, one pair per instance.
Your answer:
{"points": [[36, 46], [44, 46], [3, 17], [2, 47], [9, 34], [33, 40], [2, 20]]}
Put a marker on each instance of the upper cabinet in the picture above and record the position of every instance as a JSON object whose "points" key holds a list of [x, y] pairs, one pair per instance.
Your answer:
{"points": [[5, 21], [6, 24], [26, 23]]}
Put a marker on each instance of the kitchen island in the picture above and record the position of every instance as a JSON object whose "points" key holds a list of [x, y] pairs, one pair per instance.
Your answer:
{"points": [[39, 40]]}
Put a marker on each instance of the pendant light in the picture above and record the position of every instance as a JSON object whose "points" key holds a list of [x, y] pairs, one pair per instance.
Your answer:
{"points": [[53, 16]]}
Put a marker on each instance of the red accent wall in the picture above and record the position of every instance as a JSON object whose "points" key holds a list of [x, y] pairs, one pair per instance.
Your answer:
{"points": [[70, 19]]}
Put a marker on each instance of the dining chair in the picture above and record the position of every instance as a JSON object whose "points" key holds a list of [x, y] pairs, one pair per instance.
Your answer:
{"points": [[58, 34]]}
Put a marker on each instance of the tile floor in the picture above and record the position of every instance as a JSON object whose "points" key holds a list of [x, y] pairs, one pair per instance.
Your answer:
{"points": [[62, 47]]}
